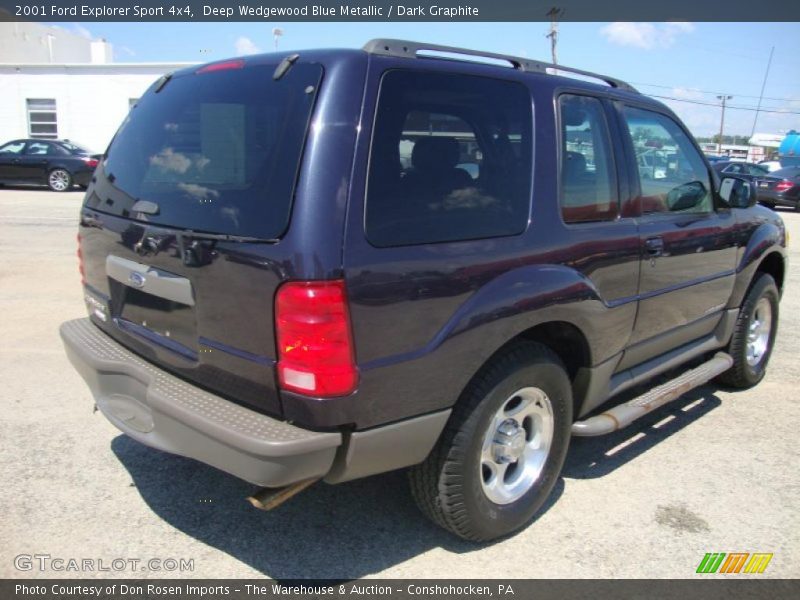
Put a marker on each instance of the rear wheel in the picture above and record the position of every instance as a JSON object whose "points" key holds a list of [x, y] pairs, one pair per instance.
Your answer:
{"points": [[59, 180], [503, 448], [754, 334]]}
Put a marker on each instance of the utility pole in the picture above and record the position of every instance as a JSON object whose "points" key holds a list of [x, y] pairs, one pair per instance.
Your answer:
{"points": [[554, 13], [277, 32], [763, 85], [722, 122]]}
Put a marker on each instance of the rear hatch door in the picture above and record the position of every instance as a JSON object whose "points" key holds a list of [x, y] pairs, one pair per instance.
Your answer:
{"points": [[180, 230]]}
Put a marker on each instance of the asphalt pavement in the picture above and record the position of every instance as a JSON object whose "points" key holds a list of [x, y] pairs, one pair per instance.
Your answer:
{"points": [[715, 471]]}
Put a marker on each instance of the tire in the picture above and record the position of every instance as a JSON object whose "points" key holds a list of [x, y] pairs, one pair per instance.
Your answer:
{"points": [[751, 353], [59, 180], [461, 486]]}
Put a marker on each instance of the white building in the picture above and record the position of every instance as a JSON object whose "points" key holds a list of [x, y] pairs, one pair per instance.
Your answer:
{"points": [[57, 84]]}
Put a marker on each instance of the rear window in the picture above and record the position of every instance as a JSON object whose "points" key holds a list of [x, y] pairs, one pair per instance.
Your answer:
{"points": [[786, 172], [216, 151], [76, 148]]}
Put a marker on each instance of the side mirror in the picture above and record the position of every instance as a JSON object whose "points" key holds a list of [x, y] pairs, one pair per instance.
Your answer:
{"points": [[738, 193], [686, 196]]}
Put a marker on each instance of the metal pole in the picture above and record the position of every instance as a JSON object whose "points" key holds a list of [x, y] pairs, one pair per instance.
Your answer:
{"points": [[553, 35], [722, 122], [763, 85]]}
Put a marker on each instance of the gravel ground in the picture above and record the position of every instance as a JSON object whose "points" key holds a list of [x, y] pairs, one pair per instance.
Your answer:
{"points": [[714, 471]]}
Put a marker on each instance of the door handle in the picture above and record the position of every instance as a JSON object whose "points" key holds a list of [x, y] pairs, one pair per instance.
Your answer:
{"points": [[655, 246]]}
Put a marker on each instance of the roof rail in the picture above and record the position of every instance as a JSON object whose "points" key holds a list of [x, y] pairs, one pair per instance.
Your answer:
{"points": [[407, 49]]}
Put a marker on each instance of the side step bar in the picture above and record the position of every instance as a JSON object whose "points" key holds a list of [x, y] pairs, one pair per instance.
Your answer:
{"points": [[623, 415]]}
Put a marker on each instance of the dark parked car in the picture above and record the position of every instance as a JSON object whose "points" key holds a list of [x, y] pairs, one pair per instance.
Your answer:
{"points": [[780, 188], [271, 290], [59, 164], [744, 170]]}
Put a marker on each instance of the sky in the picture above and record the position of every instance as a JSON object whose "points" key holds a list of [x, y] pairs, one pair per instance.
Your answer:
{"points": [[690, 62]]}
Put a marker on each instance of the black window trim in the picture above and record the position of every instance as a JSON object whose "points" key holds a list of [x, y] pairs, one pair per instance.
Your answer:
{"points": [[716, 203], [299, 168], [615, 163], [460, 70]]}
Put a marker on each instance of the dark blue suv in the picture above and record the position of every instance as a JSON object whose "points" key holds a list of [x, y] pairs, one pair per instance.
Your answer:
{"points": [[337, 263]]}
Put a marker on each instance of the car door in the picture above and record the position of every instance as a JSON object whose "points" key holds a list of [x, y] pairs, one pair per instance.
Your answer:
{"points": [[10, 159], [688, 246], [34, 161]]}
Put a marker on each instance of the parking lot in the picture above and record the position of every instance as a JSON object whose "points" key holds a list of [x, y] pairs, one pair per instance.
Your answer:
{"points": [[715, 471]]}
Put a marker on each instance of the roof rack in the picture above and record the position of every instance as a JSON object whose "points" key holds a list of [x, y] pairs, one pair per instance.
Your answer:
{"points": [[407, 49]]}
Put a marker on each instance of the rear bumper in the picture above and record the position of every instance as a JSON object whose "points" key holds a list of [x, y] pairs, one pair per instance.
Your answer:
{"points": [[777, 199], [164, 412]]}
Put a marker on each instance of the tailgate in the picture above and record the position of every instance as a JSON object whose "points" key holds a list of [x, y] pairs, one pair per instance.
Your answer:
{"points": [[208, 320], [181, 225]]}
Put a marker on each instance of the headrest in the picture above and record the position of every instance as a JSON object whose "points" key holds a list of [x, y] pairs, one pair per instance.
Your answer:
{"points": [[432, 153], [574, 164]]}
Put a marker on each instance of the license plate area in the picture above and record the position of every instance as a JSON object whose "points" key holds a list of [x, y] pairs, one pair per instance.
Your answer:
{"points": [[153, 304]]}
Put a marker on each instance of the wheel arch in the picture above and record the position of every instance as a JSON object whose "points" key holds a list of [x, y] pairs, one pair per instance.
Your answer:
{"points": [[566, 340], [764, 253], [774, 265]]}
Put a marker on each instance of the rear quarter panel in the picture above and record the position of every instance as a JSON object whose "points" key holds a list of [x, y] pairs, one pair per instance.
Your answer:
{"points": [[426, 317]]}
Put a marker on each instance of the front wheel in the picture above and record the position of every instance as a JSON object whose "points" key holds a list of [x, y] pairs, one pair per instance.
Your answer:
{"points": [[503, 448], [59, 180], [754, 334]]}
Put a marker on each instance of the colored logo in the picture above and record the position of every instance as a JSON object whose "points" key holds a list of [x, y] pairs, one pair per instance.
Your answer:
{"points": [[734, 562]]}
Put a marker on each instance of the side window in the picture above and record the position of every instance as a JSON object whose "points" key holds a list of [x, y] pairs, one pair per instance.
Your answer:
{"points": [[12, 148], [588, 185], [450, 159], [733, 168], [672, 174], [757, 170], [39, 149]]}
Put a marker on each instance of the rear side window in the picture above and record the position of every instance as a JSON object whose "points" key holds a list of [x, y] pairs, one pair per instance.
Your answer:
{"points": [[217, 151], [450, 159], [588, 185], [42, 149]]}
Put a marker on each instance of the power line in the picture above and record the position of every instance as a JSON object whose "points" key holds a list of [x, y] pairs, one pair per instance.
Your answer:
{"points": [[763, 85], [670, 87], [728, 106]]}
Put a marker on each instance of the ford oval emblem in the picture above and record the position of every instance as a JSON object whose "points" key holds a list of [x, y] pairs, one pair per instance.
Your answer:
{"points": [[136, 279]]}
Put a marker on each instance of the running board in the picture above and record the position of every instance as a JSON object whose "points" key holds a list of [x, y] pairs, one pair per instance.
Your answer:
{"points": [[623, 415]]}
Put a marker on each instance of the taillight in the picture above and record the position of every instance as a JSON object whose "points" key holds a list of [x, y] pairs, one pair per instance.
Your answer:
{"points": [[89, 162], [221, 66], [315, 342], [80, 260], [784, 185]]}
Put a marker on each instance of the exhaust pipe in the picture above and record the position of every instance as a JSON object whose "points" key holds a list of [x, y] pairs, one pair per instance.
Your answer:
{"points": [[269, 498]]}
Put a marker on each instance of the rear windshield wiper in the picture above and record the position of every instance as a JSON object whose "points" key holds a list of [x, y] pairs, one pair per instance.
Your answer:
{"points": [[225, 237]]}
